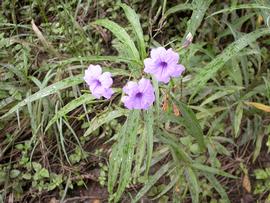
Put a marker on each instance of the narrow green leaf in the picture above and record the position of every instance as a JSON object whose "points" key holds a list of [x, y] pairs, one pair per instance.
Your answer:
{"points": [[51, 89], [199, 9], [212, 170], [167, 188], [127, 154], [69, 107], [152, 180], [193, 184], [104, 118], [242, 6], [220, 94], [210, 70], [214, 182], [146, 140], [134, 20], [191, 123], [258, 147], [237, 118], [167, 138], [118, 59], [148, 130], [121, 35], [177, 8]]}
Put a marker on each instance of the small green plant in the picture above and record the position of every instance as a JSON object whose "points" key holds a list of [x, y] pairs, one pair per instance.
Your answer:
{"points": [[262, 181]]}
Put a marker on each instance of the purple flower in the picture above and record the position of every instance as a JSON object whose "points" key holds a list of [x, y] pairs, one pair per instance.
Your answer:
{"points": [[163, 64], [98, 82], [139, 95]]}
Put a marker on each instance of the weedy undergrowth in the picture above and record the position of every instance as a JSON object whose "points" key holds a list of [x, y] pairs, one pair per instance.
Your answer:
{"points": [[54, 132]]}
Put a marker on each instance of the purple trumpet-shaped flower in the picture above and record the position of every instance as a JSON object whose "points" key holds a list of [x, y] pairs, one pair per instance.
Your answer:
{"points": [[98, 82], [163, 64], [139, 95]]}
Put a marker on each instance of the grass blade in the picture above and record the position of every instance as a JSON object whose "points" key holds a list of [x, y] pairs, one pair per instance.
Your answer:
{"points": [[121, 35], [134, 20], [118, 59], [199, 9], [191, 123], [193, 184], [69, 107], [51, 89], [211, 170], [210, 70], [127, 155], [152, 180], [242, 6], [214, 182], [149, 122], [104, 118], [177, 8], [237, 118]]}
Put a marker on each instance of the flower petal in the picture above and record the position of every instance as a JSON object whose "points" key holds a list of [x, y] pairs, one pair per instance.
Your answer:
{"points": [[107, 93], [143, 84], [157, 53], [92, 73], [106, 79], [130, 87], [177, 70], [171, 57], [149, 65], [95, 70], [128, 103]]}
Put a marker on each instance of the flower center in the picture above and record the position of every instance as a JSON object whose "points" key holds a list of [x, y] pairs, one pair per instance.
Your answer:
{"points": [[139, 95], [163, 64], [98, 83]]}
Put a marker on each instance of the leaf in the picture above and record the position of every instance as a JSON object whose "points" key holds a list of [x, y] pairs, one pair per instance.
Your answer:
{"points": [[212, 170], [14, 173], [36, 166], [69, 107], [51, 89], [121, 35], [149, 122], [44, 173], [258, 146], [104, 118], [210, 70], [134, 20], [152, 180], [192, 184], [214, 182], [260, 106], [199, 9], [246, 183], [167, 188], [175, 146], [145, 144], [177, 8], [220, 94], [242, 6], [122, 156], [237, 118], [118, 59], [191, 123], [43, 39]]}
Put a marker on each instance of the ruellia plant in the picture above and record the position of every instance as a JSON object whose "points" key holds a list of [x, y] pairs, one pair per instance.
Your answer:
{"points": [[144, 139]]}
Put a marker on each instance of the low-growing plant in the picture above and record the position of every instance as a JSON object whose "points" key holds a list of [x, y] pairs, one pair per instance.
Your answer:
{"points": [[163, 110]]}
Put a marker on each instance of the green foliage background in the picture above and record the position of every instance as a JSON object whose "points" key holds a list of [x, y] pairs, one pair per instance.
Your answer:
{"points": [[198, 142]]}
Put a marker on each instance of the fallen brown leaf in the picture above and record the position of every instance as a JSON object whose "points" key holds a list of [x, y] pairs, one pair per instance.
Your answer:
{"points": [[246, 183]]}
